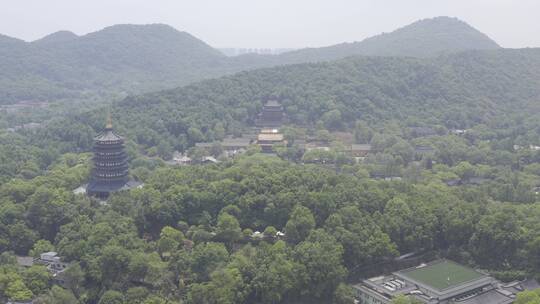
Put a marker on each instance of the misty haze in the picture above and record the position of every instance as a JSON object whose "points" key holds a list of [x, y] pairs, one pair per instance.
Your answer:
{"points": [[279, 152]]}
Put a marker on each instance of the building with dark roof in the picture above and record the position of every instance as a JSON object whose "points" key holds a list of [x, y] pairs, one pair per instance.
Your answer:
{"points": [[440, 282], [422, 132], [110, 170], [271, 116], [228, 144], [360, 150], [25, 261], [470, 181], [423, 150], [56, 267]]}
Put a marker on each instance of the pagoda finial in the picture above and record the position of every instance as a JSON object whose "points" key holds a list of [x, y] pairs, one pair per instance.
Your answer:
{"points": [[109, 122]]}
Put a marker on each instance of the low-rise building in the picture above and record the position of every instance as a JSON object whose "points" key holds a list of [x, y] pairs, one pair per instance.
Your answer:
{"points": [[55, 265], [25, 261], [458, 132], [209, 160], [267, 138], [360, 150], [470, 181], [440, 282], [236, 143], [422, 132], [231, 146], [205, 145], [181, 159], [423, 150]]}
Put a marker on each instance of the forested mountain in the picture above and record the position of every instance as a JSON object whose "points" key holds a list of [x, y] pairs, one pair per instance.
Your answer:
{"points": [[423, 38], [57, 38], [141, 58], [454, 91], [492, 91], [489, 90], [132, 58]]}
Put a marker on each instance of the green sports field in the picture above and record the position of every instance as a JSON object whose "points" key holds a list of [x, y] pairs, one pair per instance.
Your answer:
{"points": [[442, 275]]}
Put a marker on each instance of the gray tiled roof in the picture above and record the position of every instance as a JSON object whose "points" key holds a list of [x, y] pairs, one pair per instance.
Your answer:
{"points": [[489, 297], [108, 135], [363, 147], [25, 261], [272, 103]]}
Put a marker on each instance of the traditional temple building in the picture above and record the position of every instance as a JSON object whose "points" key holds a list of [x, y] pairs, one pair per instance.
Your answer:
{"points": [[268, 138], [271, 116], [110, 171]]}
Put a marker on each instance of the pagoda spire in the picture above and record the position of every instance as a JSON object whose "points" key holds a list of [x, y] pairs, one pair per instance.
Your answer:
{"points": [[108, 126]]}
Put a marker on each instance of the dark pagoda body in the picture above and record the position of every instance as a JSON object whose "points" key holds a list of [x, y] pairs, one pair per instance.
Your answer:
{"points": [[110, 170], [271, 116]]}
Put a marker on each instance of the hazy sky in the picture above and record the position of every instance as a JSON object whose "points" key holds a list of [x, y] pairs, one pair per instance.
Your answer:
{"points": [[272, 23]]}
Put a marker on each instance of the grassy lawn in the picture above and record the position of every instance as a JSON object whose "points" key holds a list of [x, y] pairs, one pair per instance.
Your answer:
{"points": [[442, 275]]}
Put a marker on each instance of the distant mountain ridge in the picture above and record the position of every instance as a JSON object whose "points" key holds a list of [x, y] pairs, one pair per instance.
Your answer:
{"points": [[57, 37], [142, 58], [424, 38], [130, 58]]}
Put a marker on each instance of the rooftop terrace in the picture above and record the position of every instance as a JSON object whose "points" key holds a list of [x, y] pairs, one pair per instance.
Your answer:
{"points": [[441, 275]]}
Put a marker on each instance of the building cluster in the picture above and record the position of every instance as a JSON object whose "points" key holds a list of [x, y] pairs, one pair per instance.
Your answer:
{"points": [[110, 172], [440, 282], [27, 126], [468, 181], [54, 263], [23, 105], [267, 136], [257, 235], [530, 147]]}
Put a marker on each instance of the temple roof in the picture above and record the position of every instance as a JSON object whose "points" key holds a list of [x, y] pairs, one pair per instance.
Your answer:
{"points": [[108, 135], [272, 103], [270, 137], [112, 186]]}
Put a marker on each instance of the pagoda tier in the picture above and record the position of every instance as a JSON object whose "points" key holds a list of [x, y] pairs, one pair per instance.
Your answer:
{"points": [[271, 115], [110, 170]]}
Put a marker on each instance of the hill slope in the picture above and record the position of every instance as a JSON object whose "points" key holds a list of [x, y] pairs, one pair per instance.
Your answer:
{"points": [[456, 91], [485, 90], [140, 58], [423, 38], [134, 58]]}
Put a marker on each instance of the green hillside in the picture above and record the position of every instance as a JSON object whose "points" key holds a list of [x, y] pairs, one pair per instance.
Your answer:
{"points": [[132, 59], [423, 38], [455, 91]]}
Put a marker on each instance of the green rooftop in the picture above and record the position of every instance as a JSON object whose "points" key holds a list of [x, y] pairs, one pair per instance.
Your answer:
{"points": [[441, 275]]}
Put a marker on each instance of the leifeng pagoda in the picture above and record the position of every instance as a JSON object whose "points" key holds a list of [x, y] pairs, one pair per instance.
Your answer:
{"points": [[110, 171], [271, 116]]}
